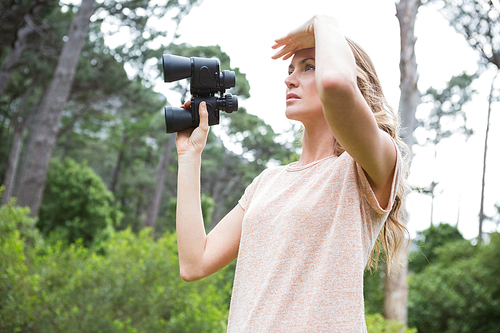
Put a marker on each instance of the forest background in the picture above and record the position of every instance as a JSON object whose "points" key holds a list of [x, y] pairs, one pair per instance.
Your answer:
{"points": [[83, 146]]}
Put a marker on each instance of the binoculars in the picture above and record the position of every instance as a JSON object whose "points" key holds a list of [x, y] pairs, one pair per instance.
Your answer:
{"points": [[206, 80]]}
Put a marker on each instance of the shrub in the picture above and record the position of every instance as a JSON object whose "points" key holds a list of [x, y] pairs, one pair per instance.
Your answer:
{"points": [[377, 324], [131, 285], [459, 292], [428, 242], [76, 203], [17, 286]]}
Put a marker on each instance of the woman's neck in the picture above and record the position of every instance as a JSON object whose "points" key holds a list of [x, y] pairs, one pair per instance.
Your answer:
{"points": [[317, 143]]}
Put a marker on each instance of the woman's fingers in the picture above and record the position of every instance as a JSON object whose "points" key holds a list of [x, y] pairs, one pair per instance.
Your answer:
{"points": [[187, 105], [194, 140], [203, 116], [298, 39], [199, 136], [293, 45]]}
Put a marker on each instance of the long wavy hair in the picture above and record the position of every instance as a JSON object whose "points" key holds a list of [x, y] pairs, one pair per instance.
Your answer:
{"points": [[394, 236]]}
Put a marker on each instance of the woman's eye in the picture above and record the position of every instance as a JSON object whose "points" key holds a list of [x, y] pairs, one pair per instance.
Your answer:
{"points": [[309, 68]]}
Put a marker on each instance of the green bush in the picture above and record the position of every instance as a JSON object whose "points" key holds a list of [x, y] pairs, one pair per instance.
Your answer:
{"points": [[377, 324], [429, 241], [134, 287], [459, 292], [76, 203], [373, 291], [131, 284], [17, 286]]}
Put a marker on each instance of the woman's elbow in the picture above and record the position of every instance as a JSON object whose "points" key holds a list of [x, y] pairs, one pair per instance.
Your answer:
{"points": [[336, 84], [190, 275]]}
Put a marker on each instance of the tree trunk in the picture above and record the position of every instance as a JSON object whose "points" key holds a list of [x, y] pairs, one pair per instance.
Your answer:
{"points": [[25, 154], [410, 96], [117, 169], [396, 284], [14, 55], [15, 150], [12, 163], [220, 187], [32, 188], [481, 208], [161, 171], [220, 180], [396, 292]]}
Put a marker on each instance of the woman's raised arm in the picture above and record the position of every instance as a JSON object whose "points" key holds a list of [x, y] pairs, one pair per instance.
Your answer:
{"points": [[200, 255]]}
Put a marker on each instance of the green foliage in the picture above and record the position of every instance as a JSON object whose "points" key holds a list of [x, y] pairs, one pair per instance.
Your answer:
{"points": [[17, 286], [17, 219], [134, 287], [131, 285], [141, 18], [376, 323], [373, 291], [76, 203], [446, 116], [459, 291], [477, 21], [256, 138], [429, 241]]}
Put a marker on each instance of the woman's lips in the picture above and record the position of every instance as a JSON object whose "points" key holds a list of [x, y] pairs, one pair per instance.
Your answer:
{"points": [[291, 97]]}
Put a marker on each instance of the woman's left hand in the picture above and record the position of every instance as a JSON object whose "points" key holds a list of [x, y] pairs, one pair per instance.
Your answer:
{"points": [[296, 40]]}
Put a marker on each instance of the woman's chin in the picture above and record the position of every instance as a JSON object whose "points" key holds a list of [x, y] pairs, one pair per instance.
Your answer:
{"points": [[292, 114]]}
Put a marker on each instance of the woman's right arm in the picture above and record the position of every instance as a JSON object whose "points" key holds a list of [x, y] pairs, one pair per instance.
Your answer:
{"points": [[200, 254]]}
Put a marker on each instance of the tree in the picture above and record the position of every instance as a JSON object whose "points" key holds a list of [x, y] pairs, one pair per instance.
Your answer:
{"points": [[395, 284], [479, 22], [491, 100], [136, 15], [444, 118], [51, 109], [19, 22], [15, 150], [154, 201], [145, 21], [32, 33]]}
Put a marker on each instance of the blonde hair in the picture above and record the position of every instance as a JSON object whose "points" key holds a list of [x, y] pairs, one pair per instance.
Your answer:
{"points": [[392, 237]]}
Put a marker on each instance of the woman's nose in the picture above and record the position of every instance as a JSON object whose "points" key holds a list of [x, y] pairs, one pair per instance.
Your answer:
{"points": [[291, 81]]}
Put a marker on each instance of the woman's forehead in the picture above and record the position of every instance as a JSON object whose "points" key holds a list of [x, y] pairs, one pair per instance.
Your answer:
{"points": [[303, 54]]}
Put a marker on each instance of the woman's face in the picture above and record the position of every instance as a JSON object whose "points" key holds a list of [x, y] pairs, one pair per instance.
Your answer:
{"points": [[302, 99]]}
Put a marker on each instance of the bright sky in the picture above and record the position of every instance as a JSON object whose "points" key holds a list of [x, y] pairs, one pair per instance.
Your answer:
{"points": [[245, 30]]}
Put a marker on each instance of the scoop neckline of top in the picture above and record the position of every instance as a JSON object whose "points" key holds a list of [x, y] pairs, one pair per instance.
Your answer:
{"points": [[294, 167]]}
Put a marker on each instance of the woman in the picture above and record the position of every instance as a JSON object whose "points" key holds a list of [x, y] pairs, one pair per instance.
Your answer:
{"points": [[304, 233]]}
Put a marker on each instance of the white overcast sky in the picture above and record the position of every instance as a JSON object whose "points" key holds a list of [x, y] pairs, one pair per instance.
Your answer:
{"points": [[246, 29]]}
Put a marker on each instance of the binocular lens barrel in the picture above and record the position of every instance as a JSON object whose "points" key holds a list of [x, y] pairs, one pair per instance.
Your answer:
{"points": [[176, 68], [178, 119]]}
